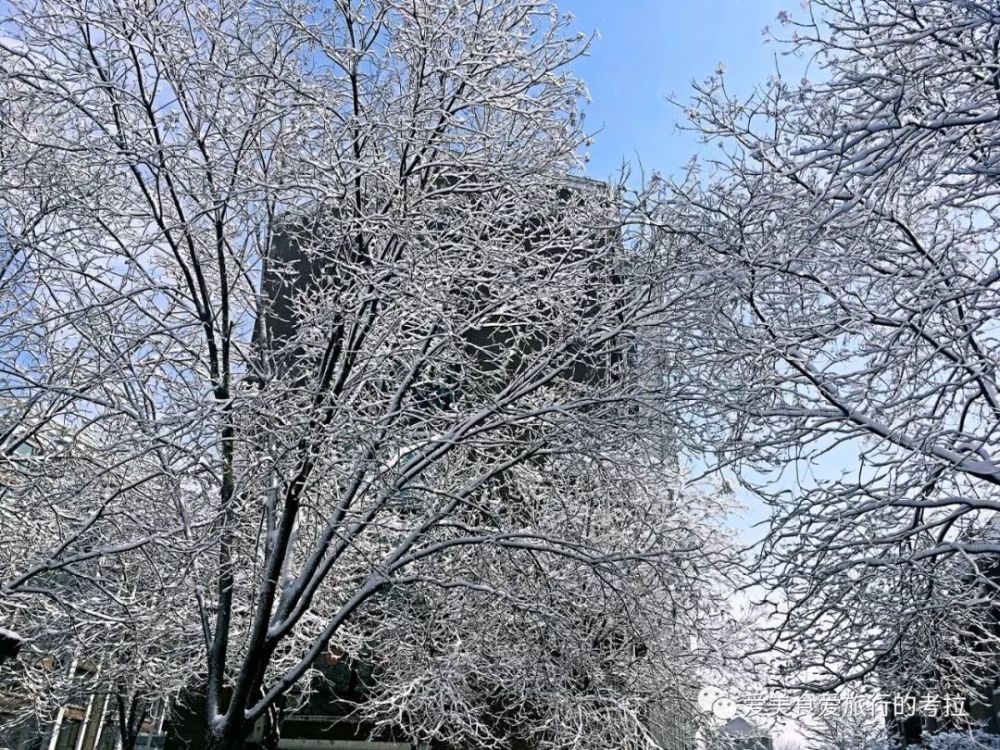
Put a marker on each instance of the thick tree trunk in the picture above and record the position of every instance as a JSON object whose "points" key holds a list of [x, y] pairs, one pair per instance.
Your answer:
{"points": [[223, 742], [226, 737]]}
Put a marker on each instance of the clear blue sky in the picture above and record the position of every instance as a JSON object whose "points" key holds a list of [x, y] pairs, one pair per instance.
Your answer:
{"points": [[648, 49]]}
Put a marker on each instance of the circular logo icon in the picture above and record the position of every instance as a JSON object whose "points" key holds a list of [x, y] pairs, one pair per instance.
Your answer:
{"points": [[714, 701]]}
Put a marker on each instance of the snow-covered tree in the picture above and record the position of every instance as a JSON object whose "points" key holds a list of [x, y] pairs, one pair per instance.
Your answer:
{"points": [[97, 589], [849, 228], [306, 294]]}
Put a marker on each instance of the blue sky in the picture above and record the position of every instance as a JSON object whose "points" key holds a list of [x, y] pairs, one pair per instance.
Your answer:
{"points": [[649, 49]]}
